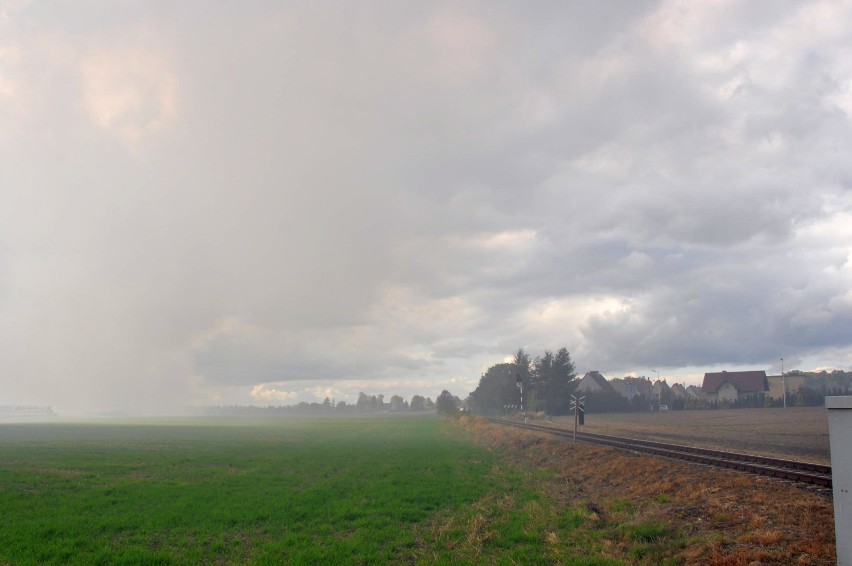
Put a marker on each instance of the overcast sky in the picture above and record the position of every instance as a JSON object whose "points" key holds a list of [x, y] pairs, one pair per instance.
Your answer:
{"points": [[270, 202]]}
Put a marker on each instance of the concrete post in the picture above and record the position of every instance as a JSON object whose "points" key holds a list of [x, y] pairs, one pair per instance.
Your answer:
{"points": [[839, 433]]}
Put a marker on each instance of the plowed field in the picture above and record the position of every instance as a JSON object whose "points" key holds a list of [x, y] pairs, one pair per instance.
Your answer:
{"points": [[799, 433]]}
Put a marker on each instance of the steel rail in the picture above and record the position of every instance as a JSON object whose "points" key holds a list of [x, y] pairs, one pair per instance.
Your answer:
{"points": [[806, 472]]}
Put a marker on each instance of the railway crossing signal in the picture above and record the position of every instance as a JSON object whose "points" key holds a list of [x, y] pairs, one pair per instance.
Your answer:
{"points": [[520, 383], [577, 403]]}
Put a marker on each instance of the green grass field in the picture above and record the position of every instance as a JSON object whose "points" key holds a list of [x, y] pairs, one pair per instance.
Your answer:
{"points": [[377, 490], [374, 490], [313, 491]]}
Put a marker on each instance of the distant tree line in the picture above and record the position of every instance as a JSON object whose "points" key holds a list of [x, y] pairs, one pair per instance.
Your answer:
{"points": [[547, 382], [445, 403], [825, 383]]}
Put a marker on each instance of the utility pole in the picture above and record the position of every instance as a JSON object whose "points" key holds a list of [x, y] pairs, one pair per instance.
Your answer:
{"points": [[660, 394], [783, 383]]}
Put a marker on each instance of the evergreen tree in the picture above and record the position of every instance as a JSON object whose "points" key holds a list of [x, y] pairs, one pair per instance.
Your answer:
{"points": [[523, 365], [418, 403], [397, 403], [446, 403], [554, 380], [497, 388]]}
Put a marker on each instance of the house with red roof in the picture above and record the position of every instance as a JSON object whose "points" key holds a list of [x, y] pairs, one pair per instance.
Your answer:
{"points": [[730, 386]]}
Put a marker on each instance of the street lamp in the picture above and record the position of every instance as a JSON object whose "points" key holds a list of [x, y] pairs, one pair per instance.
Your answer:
{"points": [[783, 383], [660, 394]]}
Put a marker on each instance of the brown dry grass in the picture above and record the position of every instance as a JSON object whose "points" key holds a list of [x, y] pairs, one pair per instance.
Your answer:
{"points": [[477, 528], [729, 518]]}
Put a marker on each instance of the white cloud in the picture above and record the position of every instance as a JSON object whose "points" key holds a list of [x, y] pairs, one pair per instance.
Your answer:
{"points": [[263, 393], [638, 260], [9, 58], [130, 93], [461, 41]]}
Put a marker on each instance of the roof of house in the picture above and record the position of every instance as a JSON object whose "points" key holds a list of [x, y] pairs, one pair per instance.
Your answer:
{"points": [[600, 380], [744, 381], [679, 390], [695, 391]]}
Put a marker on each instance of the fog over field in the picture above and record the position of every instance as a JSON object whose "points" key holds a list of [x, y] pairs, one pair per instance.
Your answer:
{"points": [[217, 203]]}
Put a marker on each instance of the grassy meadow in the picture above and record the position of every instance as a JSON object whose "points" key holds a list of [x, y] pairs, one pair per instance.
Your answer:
{"points": [[230, 491]]}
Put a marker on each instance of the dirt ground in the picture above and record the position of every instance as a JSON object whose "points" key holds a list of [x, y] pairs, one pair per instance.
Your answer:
{"points": [[727, 518], [799, 433]]}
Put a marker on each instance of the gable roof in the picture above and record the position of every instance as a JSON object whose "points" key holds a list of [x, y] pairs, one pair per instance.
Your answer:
{"points": [[744, 381], [695, 391], [679, 390], [600, 380]]}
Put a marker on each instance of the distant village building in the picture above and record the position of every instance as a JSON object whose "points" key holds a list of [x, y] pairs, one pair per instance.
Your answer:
{"points": [[679, 391], [632, 387], [594, 382], [695, 392], [662, 392], [776, 386], [730, 386], [25, 411], [621, 387]]}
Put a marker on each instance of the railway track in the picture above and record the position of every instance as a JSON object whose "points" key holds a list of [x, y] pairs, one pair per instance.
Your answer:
{"points": [[805, 472]]}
